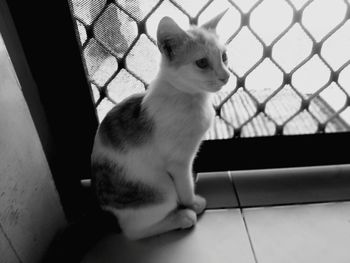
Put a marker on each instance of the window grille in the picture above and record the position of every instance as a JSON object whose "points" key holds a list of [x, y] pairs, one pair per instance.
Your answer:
{"points": [[289, 59]]}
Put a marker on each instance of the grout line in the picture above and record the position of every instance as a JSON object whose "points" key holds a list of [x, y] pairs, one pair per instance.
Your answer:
{"points": [[10, 243], [243, 218], [249, 237], [234, 189]]}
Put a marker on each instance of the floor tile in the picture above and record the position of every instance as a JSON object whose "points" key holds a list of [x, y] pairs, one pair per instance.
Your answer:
{"points": [[300, 234], [219, 236]]}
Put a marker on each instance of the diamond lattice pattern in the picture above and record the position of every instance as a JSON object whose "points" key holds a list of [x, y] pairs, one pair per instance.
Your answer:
{"points": [[289, 59]]}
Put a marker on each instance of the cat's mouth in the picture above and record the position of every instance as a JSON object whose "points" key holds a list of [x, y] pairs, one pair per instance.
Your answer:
{"points": [[213, 89], [216, 87]]}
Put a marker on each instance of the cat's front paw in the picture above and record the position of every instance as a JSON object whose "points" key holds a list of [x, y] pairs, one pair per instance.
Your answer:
{"points": [[199, 204], [187, 218]]}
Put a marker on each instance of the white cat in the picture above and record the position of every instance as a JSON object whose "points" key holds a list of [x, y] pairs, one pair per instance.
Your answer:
{"points": [[144, 148]]}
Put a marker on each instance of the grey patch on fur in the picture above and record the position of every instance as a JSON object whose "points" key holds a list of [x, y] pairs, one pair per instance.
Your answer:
{"points": [[113, 189], [127, 124]]}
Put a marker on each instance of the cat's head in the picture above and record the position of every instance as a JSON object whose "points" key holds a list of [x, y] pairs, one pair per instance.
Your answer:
{"points": [[194, 60]]}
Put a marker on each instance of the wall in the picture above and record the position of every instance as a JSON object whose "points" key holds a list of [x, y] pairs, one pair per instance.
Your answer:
{"points": [[30, 210]]}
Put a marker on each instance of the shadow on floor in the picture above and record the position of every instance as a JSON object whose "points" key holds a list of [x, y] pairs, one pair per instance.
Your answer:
{"points": [[78, 237]]}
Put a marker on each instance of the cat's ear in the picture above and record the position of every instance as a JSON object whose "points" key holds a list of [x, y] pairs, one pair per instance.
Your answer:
{"points": [[212, 23], [170, 37]]}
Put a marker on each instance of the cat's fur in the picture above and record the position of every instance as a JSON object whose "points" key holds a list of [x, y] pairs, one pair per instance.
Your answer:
{"points": [[144, 148]]}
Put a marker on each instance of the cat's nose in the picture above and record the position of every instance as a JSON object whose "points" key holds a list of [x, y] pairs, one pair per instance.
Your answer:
{"points": [[224, 78]]}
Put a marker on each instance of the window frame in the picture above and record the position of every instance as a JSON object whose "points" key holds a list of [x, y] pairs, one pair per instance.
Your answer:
{"points": [[68, 146], [273, 152], [72, 135]]}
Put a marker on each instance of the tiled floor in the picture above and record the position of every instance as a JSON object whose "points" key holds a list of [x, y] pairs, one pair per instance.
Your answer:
{"points": [[304, 233], [230, 232], [219, 236]]}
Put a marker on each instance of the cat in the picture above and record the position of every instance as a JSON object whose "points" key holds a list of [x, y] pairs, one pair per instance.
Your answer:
{"points": [[145, 146]]}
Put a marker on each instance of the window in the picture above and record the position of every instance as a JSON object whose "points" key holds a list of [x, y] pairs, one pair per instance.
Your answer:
{"points": [[262, 138], [289, 60]]}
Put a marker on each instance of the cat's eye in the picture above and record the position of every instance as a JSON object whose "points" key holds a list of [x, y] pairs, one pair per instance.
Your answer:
{"points": [[224, 57], [202, 63]]}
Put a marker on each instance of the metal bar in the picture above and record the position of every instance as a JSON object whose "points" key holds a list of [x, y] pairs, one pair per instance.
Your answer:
{"points": [[292, 185], [266, 187], [334, 170]]}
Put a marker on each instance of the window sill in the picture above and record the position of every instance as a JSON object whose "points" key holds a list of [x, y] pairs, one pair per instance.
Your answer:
{"points": [[270, 187], [292, 185]]}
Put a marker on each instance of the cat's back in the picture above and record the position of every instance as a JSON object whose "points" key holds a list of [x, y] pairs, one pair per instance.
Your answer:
{"points": [[126, 125], [119, 177]]}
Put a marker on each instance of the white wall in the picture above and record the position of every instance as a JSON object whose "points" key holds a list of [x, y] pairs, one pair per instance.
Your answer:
{"points": [[30, 210]]}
